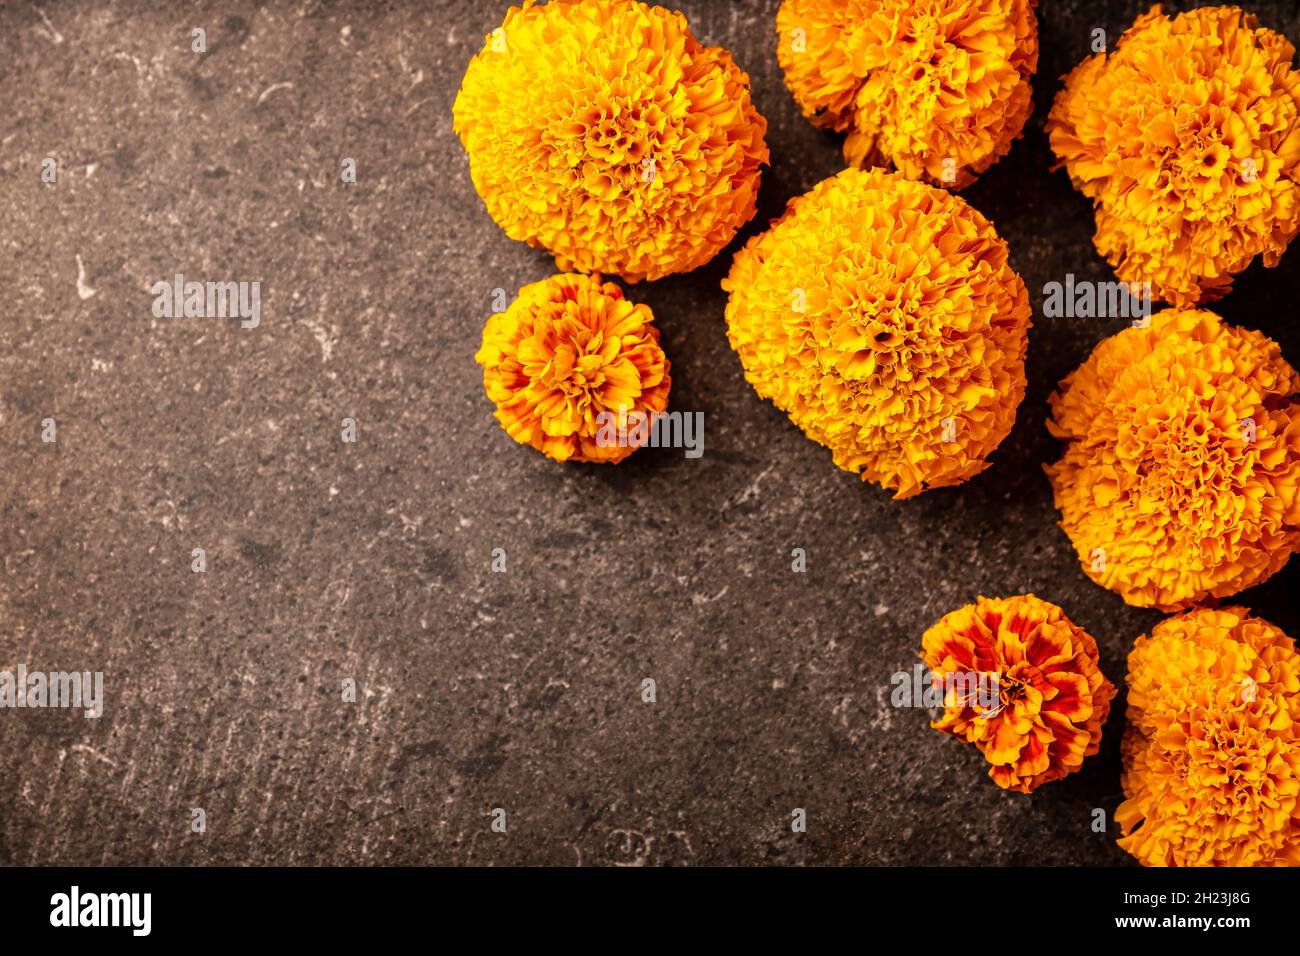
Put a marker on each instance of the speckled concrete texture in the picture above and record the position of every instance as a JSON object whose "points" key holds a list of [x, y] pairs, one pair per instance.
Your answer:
{"points": [[371, 561]]}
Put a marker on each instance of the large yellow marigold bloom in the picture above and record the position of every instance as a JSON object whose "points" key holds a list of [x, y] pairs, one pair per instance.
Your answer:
{"points": [[1187, 139], [566, 351], [1180, 473], [882, 315], [1212, 748], [603, 131], [1052, 697], [939, 88]]}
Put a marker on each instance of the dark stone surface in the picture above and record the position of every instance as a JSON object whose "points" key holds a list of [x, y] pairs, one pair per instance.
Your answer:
{"points": [[372, 561]]}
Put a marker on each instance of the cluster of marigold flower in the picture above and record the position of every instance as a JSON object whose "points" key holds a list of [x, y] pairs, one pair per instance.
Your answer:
{"points": [[881, 312]]}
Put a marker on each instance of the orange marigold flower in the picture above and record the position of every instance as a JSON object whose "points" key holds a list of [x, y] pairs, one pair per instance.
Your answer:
{"points": [[1180, 473], [939, 88], [569, 364], [882, 315], [1212, 747], [603, 131], [1187, 139], [1052, 698]]}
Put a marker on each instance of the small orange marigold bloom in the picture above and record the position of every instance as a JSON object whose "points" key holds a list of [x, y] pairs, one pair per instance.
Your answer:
{"points": [[1212, 748], [883, 316], [569, 353], [1186, 136], [1180, 477], [1052, 697], [940, 90], [603, 131]]}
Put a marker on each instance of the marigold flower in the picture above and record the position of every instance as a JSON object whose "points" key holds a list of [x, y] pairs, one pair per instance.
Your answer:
{"points": [[939, 88], [1180, 473], [882, 315], [1187, 139], [1212, 747], [1052, 697], [603, 131], [569, 357]]}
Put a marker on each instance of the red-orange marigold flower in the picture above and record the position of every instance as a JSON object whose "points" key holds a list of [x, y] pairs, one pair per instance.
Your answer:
{"points": [[1052, 697]]}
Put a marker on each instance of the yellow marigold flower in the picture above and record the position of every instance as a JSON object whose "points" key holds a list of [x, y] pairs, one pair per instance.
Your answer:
{"points": [[1180, 473], [603, 131], [1052, 698], [1187, 139], [569, 353], [1212, 747], [939, 88], [882, 315]]}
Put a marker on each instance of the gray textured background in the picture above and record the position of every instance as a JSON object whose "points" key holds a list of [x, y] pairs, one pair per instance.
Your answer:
{"points": [[518, 690]]}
